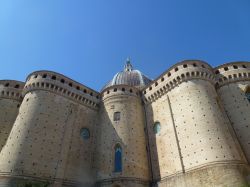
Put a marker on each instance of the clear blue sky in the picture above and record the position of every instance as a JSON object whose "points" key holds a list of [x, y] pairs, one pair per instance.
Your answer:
{"points": [[89, 40]]}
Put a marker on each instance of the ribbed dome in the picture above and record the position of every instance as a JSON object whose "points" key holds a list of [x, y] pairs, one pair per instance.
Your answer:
{"points": [[130, 77]]}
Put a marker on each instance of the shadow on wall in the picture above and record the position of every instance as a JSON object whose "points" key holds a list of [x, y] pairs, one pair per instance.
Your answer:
{"points": [[30, 159], [121, 143], [35, 179], [110, 149], [151, 129]]}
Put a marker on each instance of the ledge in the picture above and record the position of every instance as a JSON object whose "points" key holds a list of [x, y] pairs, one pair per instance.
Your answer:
{"points": [[58, 84], [184, 71], [205, 166], [119, 90], [11, 89], [232, 72], [123, 179], [31, 178]]}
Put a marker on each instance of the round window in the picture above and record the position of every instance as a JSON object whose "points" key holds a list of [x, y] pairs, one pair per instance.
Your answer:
{"points": [[157, 127], [85, 133]]}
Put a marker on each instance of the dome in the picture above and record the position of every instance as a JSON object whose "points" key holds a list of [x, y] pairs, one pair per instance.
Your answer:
{"points": [[130, 77]]}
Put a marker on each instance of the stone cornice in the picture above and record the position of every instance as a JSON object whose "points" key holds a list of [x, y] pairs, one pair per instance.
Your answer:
{"points": [[37, 178], [232, 72], [119, 91], [61, 85], [204, 166], [11, 89], [181, 72]]}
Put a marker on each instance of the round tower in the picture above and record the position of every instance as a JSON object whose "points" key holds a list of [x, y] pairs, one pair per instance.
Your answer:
{"points": [[191, 140], [121, 143], [10, 100], [51, 141], [233, 86]]}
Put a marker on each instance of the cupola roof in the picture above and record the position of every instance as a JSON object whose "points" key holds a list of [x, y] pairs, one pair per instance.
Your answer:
{"points": [[129, 76]]}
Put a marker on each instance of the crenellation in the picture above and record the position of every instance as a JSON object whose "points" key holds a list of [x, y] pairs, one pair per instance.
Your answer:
{"points": [[10, 89], [184, 71], [120, 90], [79, 94], [232, 72], [69, 83]]}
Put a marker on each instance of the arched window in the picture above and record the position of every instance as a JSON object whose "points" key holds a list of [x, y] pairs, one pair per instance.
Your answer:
{"points": [[118, 158], [157, 127], [247, 93], [85, 134]]}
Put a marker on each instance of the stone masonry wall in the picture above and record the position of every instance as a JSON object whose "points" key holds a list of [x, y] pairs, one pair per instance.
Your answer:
{"points": [[128, 132], [10, 100], [202, 130], [45, 142], [203, 138], [185, 102], [163, 147], [233, 82]]}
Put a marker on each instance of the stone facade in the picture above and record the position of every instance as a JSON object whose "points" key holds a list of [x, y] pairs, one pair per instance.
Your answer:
{"points": [[188, 127], [10, 101]]}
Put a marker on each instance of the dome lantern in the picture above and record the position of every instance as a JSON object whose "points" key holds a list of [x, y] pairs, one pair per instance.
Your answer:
{"points": [[128, 66]]}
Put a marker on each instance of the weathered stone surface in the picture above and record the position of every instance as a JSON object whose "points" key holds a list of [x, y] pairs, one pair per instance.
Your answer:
{"points": [[203, 138]]}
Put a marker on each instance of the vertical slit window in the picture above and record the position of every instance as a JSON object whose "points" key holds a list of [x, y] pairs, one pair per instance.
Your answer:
{"points": [[118, 158]]}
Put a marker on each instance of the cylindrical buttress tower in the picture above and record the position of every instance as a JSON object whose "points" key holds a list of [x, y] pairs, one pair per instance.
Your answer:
{"points": [[195, 145], [121, 146], [233, 87], [10, 100], [51, 140]]}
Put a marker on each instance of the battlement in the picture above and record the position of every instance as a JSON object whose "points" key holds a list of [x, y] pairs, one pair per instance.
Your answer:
{"points": [[120, 90], [180, 72], [11, 89], [62, 85], [232, 72]]}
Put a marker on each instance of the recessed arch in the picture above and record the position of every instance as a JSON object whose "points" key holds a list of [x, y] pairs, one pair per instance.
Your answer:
{"points": [[118, 158]]}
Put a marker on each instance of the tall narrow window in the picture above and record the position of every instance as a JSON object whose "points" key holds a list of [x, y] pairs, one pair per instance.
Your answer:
{"points": [[247, 93], [118, 158], [117, 116]]}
